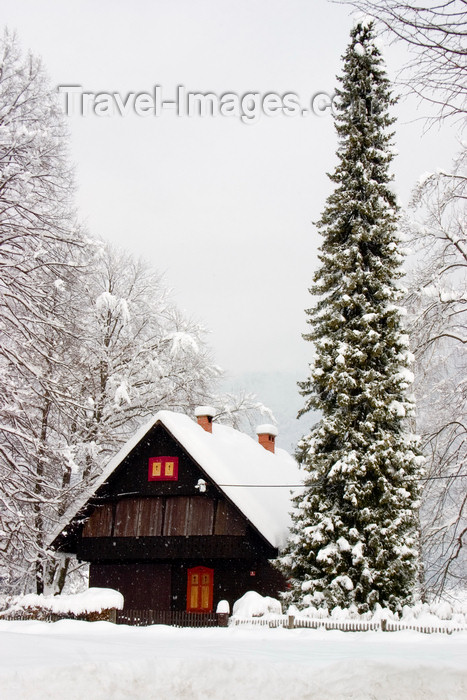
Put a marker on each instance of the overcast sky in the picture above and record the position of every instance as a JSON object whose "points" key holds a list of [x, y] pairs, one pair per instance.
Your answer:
{"points": [[224, 208]]}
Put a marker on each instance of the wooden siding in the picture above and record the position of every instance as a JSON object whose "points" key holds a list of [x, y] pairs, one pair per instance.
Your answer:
{"points": [[174, 516], [137, 517], [201, 516], [100, 522], [228, 520], [188, 516]]}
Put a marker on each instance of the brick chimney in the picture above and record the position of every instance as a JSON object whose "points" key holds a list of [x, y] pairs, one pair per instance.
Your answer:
{"points": [[267, 436], [205, 414]]}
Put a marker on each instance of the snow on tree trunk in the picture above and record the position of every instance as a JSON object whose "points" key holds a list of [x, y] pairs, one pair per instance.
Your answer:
{"points": [[355, 537]]}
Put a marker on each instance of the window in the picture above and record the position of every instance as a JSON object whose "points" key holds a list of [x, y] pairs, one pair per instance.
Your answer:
{"points": [[163, 469], [200, 589]]}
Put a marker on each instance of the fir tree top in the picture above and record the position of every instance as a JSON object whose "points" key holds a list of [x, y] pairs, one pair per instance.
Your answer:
{"points": [[360, 263]]}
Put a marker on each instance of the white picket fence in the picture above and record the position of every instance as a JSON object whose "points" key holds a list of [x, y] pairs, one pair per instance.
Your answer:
{"points": [[292, 622]]}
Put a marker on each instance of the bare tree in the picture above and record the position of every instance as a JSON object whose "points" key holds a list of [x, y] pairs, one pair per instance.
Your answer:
{"points": [[91, 344], [435, 32], [138, 353], [36, 237], [437, 302]]}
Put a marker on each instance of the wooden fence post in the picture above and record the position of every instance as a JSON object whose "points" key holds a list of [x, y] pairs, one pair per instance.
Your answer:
{"points": [[291, 622], [223, 619]]}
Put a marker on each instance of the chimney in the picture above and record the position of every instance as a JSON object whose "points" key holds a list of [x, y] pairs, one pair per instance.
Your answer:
{"points": [[205, 414], [266, 436]]}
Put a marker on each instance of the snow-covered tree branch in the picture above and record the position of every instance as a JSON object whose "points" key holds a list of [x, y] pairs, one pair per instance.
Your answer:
{"points": [[437, 302], [90, 343], [37, 236]]}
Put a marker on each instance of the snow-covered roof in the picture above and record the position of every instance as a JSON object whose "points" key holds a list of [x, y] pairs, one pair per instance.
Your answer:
{"points": [[257, 481]]}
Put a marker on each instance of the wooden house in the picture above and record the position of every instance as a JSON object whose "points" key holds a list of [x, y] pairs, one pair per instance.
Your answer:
{"points": [[188, 513]]}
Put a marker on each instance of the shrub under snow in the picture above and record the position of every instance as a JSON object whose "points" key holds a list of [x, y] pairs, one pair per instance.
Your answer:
{"points": [[424, 613], [252, 604], [93, 600]]}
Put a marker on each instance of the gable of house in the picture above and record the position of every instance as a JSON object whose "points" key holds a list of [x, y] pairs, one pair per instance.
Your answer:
{"points": [[240, 473]]}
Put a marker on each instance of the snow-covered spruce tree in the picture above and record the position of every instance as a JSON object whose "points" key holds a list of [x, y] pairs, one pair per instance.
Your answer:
{"points": [[355, 534]]}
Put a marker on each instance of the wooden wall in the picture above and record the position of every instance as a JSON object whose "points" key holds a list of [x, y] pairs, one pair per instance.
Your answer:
{"points": [[131, 476], [155, 548], [169, 516], [163, 586], [144, 585], [232, 579]]}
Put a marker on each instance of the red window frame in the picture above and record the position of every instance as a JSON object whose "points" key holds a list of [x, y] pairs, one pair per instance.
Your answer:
{"points": [[200, 589], [163, 469]]}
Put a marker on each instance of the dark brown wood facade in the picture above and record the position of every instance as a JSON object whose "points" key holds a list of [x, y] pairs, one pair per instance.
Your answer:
{"points": [[143, 536]]}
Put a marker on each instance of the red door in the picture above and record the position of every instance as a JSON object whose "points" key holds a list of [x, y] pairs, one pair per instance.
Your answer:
{"points": [[199, 589]]}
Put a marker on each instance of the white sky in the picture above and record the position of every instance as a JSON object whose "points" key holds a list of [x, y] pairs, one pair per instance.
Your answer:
{"points": [[224, 208]]}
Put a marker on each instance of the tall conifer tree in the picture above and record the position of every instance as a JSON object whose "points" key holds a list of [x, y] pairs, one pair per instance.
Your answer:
{"points": [[355, 534]]}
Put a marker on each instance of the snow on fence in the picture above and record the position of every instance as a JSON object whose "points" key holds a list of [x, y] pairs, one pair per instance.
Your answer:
{"points": [[174, 618], [293, 622], [446, 627]]}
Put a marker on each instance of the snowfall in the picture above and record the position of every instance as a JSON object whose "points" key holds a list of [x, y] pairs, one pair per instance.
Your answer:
{"points": [[93, 660]]}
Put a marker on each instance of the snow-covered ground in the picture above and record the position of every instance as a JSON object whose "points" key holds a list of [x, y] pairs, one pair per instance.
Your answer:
{"points": [[98, 660]]}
